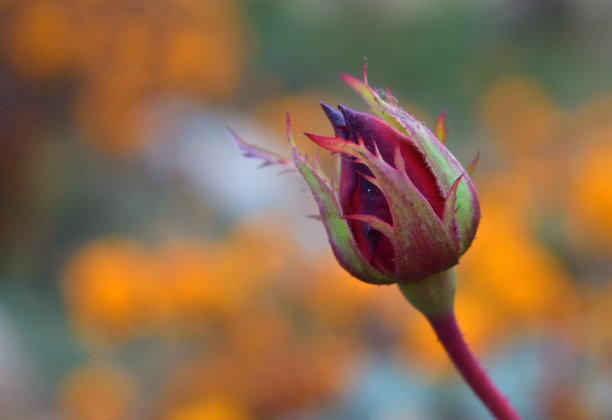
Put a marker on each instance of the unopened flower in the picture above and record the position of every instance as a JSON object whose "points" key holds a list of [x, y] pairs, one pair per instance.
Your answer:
{"points": [[404, 208]]}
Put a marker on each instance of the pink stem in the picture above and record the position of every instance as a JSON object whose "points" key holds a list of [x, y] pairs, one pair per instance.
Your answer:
{"points": [[448, 333]]}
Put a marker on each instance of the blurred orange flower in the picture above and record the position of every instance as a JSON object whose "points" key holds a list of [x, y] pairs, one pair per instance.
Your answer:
{"points": [[519, 115], [589, 200], [116, 288], [209, 408], [298, 371], [102, 287], [120, 56], [515, 278], [38, 40]]}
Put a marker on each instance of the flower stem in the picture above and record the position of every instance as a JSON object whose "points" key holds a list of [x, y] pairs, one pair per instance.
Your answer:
{"points": [[450, 337]]}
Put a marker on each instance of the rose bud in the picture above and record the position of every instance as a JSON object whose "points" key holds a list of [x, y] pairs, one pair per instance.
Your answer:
{"points": [[404, 208]]}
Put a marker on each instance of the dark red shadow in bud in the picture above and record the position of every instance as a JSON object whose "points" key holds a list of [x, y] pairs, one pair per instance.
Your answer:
{"points": [[366, 198]]}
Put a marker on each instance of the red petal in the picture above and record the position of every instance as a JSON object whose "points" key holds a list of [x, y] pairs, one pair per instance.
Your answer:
{"points": [[375, 131]]}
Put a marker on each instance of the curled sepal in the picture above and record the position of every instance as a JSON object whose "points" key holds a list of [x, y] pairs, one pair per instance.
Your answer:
{"points": [[450, 211], [473, 164], [371, 97], [341, 239], [268, 158]]}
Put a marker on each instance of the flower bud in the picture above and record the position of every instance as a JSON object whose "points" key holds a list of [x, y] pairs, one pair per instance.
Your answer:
{"points": [[404, 208]]}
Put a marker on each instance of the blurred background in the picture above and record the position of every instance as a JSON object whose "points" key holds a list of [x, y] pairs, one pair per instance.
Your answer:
{"points": [[148, 271]]}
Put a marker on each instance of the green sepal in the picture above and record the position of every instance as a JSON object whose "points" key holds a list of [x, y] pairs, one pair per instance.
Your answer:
{"points": [[341, 239]]}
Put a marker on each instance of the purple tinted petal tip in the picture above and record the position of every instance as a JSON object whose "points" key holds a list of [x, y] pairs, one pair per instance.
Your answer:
{"points": [[334, 116], [343, 108], [348, 113]]}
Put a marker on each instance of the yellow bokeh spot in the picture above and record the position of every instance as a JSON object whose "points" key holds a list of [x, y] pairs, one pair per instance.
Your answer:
{"points": [[102, 287], [211, 408]]}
